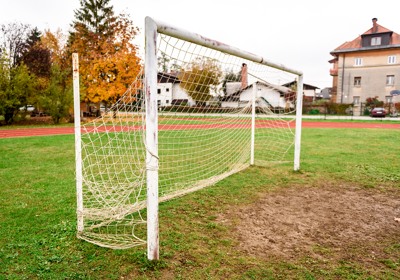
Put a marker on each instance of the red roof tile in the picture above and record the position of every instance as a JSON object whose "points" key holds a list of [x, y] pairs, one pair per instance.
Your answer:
{"points": [[356, 43], [380, 29]]}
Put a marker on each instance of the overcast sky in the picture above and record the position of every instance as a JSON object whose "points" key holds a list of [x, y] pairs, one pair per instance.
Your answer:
{"points": [[297, 33]]}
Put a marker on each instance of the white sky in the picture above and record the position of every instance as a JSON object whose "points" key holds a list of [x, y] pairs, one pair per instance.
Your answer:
{"points": [[297, 33]]}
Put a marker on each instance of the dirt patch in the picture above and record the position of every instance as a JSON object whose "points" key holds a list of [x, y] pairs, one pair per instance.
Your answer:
{"points": [[299, 221]]}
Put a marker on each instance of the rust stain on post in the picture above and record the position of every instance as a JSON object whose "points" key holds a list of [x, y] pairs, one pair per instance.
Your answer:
{"points": [[75, 64]]}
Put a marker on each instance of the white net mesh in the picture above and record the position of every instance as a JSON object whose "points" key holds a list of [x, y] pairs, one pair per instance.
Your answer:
{"points": [[204, 134]]}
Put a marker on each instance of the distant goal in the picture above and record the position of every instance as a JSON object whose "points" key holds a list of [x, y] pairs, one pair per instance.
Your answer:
{"points": [[200, 111]]}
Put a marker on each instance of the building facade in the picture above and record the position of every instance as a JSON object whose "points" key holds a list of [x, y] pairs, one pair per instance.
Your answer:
{"points": [[367, 67], [309, 91], [170, 93]]}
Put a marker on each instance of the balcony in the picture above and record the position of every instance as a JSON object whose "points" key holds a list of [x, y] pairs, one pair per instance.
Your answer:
{"points": [[333, 72]]}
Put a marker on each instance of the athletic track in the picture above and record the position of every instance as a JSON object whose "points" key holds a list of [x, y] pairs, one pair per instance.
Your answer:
{"points": [[24, 132]]}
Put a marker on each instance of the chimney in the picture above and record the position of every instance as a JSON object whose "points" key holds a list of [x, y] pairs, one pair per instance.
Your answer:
{"points": [[374, 25], [243, 76]]}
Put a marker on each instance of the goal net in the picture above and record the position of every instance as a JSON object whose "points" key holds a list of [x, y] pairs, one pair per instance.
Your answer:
{"points": [[199, 112]]}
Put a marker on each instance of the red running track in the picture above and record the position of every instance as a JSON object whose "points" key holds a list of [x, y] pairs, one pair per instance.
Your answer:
{"points": [[25, 132]]}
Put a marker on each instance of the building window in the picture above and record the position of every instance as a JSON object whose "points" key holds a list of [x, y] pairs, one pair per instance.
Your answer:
{"points": [[391, 59], [356, 100], [388, 99], [390, 80], [357, 81], [358, 61], [375, 41], [159, 91], [167, 101], [167, 89]]}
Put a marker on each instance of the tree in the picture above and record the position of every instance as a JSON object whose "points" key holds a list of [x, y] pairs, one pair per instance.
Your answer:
{"points": [[97, 17], [163, 62], [54, 42], [33, 38], [229, 78], [13, 41], [36, 56], [4, 82], [56, 100], [373, 102], [17, 86], [18, 83], [37, 75], [108, 57], [200, 78]]}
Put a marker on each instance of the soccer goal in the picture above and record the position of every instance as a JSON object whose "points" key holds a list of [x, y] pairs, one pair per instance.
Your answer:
{"points": [[200, 111]]}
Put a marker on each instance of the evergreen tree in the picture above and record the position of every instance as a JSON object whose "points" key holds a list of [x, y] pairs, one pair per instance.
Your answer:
{"points": [[97, 16], [33, 38], [35, 56]]}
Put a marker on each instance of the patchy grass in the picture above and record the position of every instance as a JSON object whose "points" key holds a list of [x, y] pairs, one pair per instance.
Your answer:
{"points": [[38, 221]]}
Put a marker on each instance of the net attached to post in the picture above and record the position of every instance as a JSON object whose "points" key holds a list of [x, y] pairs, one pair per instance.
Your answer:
{"points": [[205, 105]]}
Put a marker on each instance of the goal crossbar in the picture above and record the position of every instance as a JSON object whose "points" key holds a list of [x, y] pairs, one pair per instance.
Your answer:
{"points": [[216, 45]]}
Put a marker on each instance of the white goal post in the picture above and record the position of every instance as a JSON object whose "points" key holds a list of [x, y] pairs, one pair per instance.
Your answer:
{"points": [[200, 111]]}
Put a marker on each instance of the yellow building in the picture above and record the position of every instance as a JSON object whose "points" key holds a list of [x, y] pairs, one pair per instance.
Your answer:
{"points": [[368, 66]]}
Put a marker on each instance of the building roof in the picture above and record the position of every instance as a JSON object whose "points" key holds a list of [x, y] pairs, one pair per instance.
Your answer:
{"points": [[356, 44], [235, 95], [305, 86], [167, 78]]}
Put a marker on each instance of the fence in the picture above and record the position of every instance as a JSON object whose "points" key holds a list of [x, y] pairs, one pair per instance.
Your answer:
{"points": [[362, 109]]}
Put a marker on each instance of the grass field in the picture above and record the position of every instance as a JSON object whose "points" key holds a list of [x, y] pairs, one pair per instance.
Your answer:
{"points": [[38, 221]]}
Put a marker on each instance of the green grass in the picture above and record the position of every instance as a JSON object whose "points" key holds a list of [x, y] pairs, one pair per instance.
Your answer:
{"points": [[38, 220]]}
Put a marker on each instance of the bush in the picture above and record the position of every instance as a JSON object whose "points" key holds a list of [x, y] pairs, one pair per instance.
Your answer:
{"points": [[337, 109], [314, 112], [373, 102]]}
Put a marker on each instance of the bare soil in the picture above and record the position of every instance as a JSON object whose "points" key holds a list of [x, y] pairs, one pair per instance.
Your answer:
{"points": [[325, 223]]}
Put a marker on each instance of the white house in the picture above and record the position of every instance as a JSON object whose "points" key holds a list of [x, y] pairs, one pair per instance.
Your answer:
{"points": [[267, 95], [240, 94], [169, 92]]}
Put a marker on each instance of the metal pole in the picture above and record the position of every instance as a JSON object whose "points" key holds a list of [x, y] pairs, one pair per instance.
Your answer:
{"points": [[253, 123], [176, 32], [299, 113], [151, 139], [78, 148], [342, 81]]}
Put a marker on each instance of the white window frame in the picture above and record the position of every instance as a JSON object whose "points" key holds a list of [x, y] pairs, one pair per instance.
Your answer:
{"points": [[388, 99], [390, 80], [376, 41], [357, 81], [391, 59], [356, 100], [358, 61]]}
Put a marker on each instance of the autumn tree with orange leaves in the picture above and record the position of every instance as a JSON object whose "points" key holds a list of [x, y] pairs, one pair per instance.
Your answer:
{"points": [[108, 58]]}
